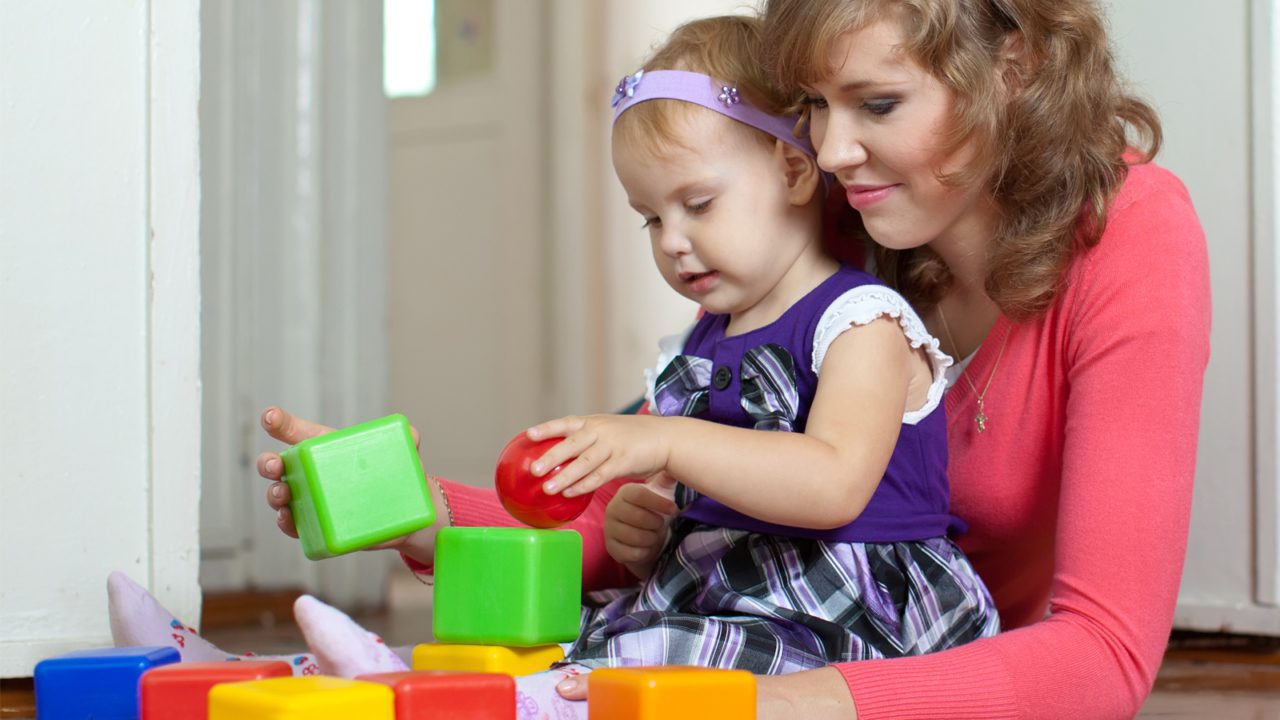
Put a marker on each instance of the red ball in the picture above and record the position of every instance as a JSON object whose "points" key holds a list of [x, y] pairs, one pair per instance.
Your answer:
{"points": [[521, 493]]}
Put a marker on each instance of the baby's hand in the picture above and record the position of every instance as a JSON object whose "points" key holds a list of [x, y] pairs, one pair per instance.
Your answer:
{"points": [[637, 523], [600, 448]]}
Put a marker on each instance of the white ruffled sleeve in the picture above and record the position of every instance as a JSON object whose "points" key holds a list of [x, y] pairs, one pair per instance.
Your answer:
{"points": [[860, 306], [668, 348]]}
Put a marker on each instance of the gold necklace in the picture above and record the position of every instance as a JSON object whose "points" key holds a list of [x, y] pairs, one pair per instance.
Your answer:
{"points": [[981, 418]]}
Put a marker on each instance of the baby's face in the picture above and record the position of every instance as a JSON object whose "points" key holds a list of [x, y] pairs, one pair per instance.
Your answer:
{"points": [[716, 209]]}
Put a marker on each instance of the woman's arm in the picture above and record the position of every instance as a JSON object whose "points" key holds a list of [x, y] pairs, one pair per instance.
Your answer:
{"points": [[832, 468]]}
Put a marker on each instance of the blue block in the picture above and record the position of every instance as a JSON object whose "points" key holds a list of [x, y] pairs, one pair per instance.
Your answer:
{"points": [[95, 684]]}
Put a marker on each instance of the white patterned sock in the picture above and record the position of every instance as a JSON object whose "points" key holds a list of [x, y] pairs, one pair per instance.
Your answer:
{"points": [[139, 620], [341, 646]]}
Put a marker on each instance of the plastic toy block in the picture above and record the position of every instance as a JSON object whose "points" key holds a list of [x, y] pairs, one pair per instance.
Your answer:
{"points": [[671, 693], [181, 691], [507, 586], [486, 658], [357, 487], [316, 697], [100, 684], [449, 695]]}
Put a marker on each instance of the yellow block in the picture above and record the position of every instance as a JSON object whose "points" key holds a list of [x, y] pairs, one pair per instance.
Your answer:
{"points": [[671, 693], [486, 658], [316, 697]]}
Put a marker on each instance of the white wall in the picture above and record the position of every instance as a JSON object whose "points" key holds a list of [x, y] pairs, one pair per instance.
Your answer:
{"points": [[99, 324]]}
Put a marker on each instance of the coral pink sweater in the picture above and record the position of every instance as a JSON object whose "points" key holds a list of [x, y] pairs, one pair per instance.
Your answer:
{"points": [[1078, 495]]}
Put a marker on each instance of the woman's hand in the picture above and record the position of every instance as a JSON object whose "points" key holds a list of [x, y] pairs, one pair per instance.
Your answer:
{"points": [[601, 448], [812, 694], [637, 523], [291, 430]]}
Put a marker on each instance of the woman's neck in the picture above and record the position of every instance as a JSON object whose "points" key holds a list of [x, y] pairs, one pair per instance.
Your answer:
{"points": [[968, 311]]}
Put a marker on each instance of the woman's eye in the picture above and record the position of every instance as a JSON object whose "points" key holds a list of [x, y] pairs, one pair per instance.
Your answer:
{"points": [[814, 101], [880, 107]]}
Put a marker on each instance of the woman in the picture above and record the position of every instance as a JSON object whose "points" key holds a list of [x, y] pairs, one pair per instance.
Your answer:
{"points": [[984, 145]]}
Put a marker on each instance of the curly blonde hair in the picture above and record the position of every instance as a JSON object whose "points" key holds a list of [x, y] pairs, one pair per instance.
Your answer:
{"points": [[727, 48], [1053, 155]]}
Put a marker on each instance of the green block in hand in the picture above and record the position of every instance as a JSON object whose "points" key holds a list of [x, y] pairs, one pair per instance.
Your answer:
{"points": [[507, 586], [357, 487]]}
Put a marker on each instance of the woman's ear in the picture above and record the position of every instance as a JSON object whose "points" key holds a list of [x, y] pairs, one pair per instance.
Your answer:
{"points": [[800, 170]]}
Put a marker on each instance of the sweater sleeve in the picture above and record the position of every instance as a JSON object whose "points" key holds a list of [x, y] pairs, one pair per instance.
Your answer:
{"points": [[1136, 322]]}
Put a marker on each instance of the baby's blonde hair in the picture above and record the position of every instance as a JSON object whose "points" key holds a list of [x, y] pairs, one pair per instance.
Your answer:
{"points": [[726, 48]]}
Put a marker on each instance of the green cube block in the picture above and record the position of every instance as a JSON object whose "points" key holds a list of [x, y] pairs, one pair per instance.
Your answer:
{"points": [[507, 586], [357, 487]]}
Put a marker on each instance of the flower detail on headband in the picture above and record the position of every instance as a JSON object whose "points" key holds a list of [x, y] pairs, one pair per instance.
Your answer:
{"points": [[626, 87], [729, 95]]}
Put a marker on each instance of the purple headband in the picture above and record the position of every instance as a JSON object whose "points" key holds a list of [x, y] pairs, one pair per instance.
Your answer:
{"points": [[703, 90]]}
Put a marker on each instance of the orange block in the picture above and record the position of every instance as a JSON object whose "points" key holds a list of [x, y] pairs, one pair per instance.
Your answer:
{"points": [[671, 693], [181, 691]]}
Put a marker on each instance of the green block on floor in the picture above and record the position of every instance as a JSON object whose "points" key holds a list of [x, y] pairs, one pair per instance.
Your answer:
{"points": [[507, 586], [357, 487]]}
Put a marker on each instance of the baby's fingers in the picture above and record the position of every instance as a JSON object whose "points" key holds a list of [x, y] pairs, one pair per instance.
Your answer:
{"points": [[560, 427]]}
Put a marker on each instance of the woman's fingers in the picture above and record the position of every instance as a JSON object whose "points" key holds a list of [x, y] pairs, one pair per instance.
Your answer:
{"points": [[290, 429], [270, 466], [284, 521]]}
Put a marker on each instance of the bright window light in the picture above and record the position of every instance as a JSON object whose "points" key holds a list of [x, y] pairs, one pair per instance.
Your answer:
{"points": [[409, 47]]}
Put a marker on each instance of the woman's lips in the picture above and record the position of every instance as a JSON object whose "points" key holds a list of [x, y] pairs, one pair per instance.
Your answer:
{"points": [[864, 196]]}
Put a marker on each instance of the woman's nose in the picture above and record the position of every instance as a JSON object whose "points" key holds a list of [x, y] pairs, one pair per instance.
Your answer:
{"points": [[840, 145]]}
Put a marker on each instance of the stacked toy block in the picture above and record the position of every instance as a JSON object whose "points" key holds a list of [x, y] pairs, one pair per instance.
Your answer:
{"points": [[504, 599], [357, 487]]}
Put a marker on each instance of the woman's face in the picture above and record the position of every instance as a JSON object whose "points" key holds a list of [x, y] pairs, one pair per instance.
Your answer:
{"points": [[879, 123]]}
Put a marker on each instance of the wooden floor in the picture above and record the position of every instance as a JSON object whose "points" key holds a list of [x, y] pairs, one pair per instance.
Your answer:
{"points": [[1218, 677]]}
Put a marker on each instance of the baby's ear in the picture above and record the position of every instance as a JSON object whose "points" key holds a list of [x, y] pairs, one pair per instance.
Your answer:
{"points": [[801, 172]]}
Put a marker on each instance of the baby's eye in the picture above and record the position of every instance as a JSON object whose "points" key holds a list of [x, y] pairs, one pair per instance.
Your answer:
{"points": [[814, 101], [880, 106], [651, 222], [700, 207]]}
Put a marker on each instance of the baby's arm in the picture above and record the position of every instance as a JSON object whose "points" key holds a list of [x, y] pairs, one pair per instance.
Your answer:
{"points": [[822, 478]]}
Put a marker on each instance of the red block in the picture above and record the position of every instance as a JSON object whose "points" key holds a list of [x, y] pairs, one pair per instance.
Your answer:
{"points": [[181, 691], [442, 695]]}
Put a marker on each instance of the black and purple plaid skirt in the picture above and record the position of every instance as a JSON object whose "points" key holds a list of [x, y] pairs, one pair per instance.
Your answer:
{"points": [[737, 599]]}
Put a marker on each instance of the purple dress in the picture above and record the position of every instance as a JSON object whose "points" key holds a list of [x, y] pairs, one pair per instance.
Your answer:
{"points": [[733, 592]]}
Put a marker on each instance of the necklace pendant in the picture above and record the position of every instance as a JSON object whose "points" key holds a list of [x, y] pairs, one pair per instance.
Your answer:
{"points": [[981, 420]]}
